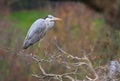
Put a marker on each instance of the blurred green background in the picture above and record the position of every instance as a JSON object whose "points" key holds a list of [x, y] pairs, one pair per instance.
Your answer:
{"points": [[81, 27]]}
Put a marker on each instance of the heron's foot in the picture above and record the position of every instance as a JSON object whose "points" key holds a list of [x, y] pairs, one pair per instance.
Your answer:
{"points": [[39, 45]]}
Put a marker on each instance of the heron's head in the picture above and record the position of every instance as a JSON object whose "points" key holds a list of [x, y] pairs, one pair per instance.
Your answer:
{"points": [[50, 20]]}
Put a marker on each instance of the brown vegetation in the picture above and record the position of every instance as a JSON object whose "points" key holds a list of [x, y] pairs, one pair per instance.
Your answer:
{"points": [[81, 28]]}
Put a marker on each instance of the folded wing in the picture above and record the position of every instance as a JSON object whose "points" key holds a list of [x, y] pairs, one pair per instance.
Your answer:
{"points": [[35, 33]]}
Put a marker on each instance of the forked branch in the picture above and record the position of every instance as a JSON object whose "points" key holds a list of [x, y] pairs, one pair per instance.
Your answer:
{"points": [[60, 77]]}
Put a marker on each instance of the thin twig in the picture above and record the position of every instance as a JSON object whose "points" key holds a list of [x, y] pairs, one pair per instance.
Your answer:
{"points": [[66, 75]]}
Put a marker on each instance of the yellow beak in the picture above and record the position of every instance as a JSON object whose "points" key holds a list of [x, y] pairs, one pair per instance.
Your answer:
{"points": [[59, 19]]}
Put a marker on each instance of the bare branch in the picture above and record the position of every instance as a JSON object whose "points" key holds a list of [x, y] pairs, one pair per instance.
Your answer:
{"points": [[80, 61]]}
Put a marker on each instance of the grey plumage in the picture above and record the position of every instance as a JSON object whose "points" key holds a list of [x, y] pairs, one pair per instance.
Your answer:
{"points": [[38, 30]]}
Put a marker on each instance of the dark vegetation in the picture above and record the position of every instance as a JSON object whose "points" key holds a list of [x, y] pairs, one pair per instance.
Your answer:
{"points": [[85, 23]]}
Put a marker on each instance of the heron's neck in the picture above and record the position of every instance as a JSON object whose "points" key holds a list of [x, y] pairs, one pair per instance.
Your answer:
{"points": [[49, 24]]}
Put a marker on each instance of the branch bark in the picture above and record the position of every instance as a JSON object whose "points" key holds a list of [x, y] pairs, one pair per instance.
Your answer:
{"points": [[80, 61]]}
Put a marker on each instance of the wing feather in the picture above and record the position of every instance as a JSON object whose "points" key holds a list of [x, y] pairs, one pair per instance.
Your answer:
{"points": [[35, 33]]}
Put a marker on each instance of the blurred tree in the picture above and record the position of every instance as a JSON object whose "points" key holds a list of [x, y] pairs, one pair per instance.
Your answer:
{"points": [[26, 4], [3, 7], [110, 9], [111, 12]]}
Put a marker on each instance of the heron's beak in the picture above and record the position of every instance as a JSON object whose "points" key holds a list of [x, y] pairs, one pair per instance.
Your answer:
{"points": [[59, 19]]}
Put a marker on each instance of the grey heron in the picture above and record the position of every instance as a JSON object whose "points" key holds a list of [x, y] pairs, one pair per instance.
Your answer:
{"points": [[38, 30]]}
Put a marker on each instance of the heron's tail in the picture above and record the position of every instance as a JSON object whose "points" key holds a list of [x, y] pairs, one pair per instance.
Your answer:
{"points": [[26, 44]]}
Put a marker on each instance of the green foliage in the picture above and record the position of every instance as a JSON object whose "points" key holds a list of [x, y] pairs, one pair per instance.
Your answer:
{"points": [[79, 29], [4, 70], [24, 19]]}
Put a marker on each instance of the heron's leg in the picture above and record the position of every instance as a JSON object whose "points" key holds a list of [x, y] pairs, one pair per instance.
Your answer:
{"points": [[39, 44]]}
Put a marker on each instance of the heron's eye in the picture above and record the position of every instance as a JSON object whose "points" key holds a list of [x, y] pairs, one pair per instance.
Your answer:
{"points": [[50, 17], [46, 17]]}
